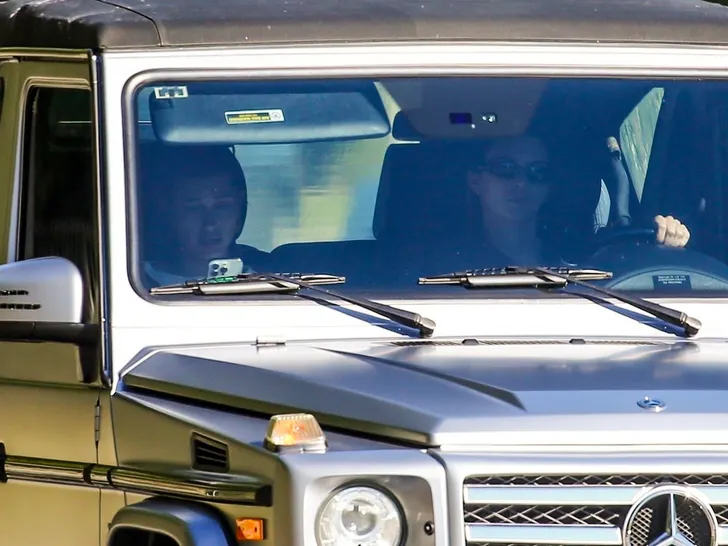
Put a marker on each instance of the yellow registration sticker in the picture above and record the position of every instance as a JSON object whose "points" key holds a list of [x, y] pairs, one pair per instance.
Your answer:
{"points": [[254, 116]]}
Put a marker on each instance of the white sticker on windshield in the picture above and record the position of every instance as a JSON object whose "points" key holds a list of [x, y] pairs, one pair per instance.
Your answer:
{"points": [[254, 116], [176, 92]]}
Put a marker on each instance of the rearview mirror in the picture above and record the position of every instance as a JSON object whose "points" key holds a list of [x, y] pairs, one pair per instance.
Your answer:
{"points": [[41, 299]]}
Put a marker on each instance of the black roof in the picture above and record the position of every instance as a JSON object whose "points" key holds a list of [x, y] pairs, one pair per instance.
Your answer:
{"points": [[102, 24]]}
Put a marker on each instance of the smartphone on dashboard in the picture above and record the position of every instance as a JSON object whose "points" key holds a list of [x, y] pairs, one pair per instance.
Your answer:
{"points": [[226, 267]]}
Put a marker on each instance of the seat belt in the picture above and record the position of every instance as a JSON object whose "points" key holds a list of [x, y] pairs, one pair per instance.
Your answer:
{"points": [[618, 185]]}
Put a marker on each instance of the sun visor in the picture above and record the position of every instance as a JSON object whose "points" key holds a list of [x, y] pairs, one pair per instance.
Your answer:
{"points": [[265, 112], [466, 108]]}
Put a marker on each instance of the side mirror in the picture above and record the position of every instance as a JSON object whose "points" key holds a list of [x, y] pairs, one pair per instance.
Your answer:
{"points": [[41, 299]]}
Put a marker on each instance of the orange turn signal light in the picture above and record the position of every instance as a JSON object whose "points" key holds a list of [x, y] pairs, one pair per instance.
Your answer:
{"points": [[249, 529], [297, 430]]}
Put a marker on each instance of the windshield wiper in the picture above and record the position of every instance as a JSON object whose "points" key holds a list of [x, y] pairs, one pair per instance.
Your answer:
{"points": [[560, 277], [261, 283], [517, 277], [248, 283]]}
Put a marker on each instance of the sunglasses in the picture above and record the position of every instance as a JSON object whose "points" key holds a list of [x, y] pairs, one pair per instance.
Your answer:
{"points": [[506, 169]]}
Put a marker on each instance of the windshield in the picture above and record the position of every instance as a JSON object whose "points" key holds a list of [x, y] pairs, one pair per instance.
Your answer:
{"points": [[388, 181]]}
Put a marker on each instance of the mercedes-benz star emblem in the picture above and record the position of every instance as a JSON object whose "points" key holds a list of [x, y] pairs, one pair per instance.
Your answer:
{"points": [[652, 404], [670, 515]]}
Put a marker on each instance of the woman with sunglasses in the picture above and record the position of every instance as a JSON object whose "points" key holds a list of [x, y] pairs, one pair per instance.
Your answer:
{"points": [[511, 186]]}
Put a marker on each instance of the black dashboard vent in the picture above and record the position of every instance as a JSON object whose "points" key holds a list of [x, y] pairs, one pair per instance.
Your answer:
{"points": [[209, 455]]}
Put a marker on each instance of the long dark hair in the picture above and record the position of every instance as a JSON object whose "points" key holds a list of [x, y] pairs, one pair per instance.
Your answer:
{"points": [[566, 217]]}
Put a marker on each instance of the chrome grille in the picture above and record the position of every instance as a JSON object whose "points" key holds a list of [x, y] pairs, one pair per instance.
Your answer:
{"points": [[543, 515], [591, 479], [721, 514], [553, 510]]}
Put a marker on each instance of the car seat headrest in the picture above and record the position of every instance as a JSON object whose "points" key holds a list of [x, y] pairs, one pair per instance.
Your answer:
{"points": [[422, 192]]}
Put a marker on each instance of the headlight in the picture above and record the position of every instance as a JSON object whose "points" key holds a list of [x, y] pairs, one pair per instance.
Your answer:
{"points": [[359, 516]]}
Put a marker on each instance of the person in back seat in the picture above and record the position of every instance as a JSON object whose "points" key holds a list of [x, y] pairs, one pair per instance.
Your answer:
{"points": [[194, 205], [511, 182]]}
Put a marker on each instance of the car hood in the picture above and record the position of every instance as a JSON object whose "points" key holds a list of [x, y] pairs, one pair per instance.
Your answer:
{"points": [[464, 393]]}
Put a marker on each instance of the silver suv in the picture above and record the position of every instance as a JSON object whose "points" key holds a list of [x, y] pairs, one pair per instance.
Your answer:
{"points": [[376, 273]]}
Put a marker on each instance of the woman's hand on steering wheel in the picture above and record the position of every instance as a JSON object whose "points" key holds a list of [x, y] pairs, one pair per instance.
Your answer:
{"points": [[669, 231]]}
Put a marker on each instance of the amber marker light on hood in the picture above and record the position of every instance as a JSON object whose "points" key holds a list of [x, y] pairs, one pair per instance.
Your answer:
{"points": [[295, 432]]}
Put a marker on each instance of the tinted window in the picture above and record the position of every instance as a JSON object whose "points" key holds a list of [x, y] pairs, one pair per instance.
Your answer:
{"points": [[387, 181], [59, 203]]}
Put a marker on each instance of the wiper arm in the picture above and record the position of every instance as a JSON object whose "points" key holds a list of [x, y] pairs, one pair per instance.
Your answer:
{"points": [[518, 277], [261, 283]]}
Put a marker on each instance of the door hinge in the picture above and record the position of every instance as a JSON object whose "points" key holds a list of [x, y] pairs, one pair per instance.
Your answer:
{"points": [[97, 422]]}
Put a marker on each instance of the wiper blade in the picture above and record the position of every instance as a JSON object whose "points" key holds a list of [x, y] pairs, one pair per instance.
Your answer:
{"points": [[261, 283], [512, 277], [518, 277], [247, 283]]}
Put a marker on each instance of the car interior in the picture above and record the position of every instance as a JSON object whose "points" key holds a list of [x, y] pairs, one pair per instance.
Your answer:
{"points": [[423, 206]]}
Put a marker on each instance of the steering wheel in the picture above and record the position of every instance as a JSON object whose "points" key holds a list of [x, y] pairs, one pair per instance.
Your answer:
{"points": [[634, 256], [621, 235]]}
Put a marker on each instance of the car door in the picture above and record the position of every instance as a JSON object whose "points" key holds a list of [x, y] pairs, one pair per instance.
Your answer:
{"points": [[49, 391]]}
